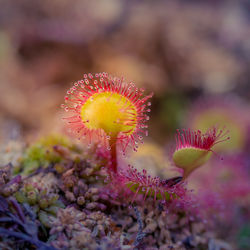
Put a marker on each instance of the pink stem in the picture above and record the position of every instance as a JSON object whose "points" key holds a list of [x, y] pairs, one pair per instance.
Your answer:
{"points": [[113, 162]]}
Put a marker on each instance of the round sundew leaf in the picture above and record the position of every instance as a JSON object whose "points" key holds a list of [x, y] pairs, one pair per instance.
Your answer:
{"points": [[111, 112], [190, 158], [107, 110]]}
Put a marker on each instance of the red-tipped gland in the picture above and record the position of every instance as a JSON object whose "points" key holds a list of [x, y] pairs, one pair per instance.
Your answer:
{"points": [[109, 111], [193, 148]]}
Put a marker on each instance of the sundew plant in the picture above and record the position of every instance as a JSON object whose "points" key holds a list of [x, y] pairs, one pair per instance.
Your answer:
{"points": [[109, 111], [113, 113]]}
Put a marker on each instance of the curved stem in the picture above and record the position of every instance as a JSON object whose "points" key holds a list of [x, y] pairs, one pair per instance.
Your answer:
{"points": [[113, 162]]}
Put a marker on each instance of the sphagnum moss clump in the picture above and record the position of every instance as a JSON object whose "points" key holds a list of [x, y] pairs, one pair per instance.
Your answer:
{"points": [[79, 198]]}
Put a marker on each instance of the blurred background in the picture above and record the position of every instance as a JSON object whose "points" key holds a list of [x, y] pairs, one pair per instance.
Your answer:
{"points": [[189, 53]]}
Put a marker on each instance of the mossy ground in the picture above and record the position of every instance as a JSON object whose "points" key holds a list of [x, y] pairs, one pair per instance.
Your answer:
{"points": [[54, 197]]}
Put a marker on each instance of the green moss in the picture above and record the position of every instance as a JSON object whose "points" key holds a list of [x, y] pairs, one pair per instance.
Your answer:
{"points": [[44, 218], [37, 156], [53, 209], [39, 199], [20, 196], [55, 139], [42, 154], [32, 197]]}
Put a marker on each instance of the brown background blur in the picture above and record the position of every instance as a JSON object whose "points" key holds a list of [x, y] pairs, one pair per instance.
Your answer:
{"points": [[181, 50]]}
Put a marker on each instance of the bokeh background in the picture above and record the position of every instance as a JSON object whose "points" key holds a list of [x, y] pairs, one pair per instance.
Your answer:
{"points": [[180, 50]]}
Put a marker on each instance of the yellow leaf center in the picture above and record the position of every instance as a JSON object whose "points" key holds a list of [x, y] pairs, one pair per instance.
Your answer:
{"points": [[112, 112]]}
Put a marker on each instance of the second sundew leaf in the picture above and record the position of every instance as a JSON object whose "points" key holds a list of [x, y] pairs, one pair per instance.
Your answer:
{"points": [[194, 149]]}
